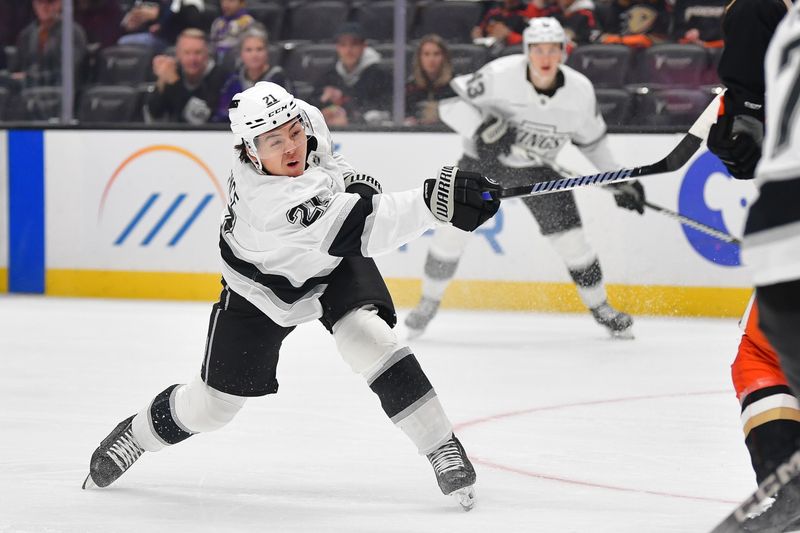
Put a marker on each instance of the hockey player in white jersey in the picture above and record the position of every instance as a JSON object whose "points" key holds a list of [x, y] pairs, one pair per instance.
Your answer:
{"points": [[515, 115], [296, 241]]}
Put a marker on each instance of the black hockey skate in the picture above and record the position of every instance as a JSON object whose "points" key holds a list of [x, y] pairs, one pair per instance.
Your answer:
{"points": [[419, 317], [114, 456], [619, 324], [454, 472]]}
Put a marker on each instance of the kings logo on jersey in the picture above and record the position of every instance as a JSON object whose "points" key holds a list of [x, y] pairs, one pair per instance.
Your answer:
{"points": [[540, 140], [710, 195]]}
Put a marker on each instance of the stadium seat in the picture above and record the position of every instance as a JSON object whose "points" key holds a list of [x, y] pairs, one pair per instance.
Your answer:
{"points": [[4, 97], [615, 105], [104, 103], [124, 65], [12, 56], [308, 62], [674, 65], [671, 107], [452, 20], [711, 77], [316, 21], [607, 65], [377, 18], [41, 103], [467, 58], [386, 50], [271, 15]]}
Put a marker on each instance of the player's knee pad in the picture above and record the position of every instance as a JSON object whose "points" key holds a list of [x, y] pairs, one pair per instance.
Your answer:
{"points": [[448, 243], [200, 408], [573, 248], [364, 339]]}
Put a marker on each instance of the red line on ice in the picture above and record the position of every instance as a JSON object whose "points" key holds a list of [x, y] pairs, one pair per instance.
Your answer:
{"points": [[528, 473]]}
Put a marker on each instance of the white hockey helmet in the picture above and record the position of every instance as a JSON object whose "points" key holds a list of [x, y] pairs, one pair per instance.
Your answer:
{"points": [[262, 108], [544, 30]]}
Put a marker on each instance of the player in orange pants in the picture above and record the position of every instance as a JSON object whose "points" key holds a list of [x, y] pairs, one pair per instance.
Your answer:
{"points": [[770, 412]]}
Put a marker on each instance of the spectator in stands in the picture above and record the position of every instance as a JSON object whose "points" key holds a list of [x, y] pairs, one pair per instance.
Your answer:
{"points": [[430, 81], [638, 23], [158, 23], [577, 18], [254, 56], [355, 88], [100, 19], [39, 46], [14, 15], [226, 29], [187, 86], [503, 23], [699, 22]]}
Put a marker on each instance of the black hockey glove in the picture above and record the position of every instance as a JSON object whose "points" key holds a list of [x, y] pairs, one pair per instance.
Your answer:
{"points": [[362, 184], [494, 137], [456, 196], [736, 140], [629, 195]]}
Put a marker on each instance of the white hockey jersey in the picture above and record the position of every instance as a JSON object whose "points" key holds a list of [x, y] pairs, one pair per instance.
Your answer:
{"points": [[282, 235], [781, 152], [772, 241], [545, 124]]}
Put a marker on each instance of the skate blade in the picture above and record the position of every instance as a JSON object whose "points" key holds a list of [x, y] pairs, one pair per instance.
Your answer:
{"points": [[465, 497], [89, 483], [625, 334]]}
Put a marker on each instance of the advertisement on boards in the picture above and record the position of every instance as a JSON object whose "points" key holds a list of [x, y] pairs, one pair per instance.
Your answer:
{"points": [[3, 211]]}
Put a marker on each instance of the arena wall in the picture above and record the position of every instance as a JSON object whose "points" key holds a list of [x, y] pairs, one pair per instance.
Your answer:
{"points": [[135, 214]]}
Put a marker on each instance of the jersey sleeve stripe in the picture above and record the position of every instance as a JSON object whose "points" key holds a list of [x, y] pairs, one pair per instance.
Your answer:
{"points": [[347, 241], [369, 224], [336, 226]]}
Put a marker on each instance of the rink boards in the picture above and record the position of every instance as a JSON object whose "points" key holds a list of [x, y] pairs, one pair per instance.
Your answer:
{"points": [[136, 214]]}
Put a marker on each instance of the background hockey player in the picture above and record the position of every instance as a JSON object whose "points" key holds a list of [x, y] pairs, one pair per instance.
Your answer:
{"points": [[296, 241], [516, 114]]}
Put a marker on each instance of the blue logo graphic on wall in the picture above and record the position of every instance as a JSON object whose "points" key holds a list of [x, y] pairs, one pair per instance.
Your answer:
{"points": [[692, 203]]}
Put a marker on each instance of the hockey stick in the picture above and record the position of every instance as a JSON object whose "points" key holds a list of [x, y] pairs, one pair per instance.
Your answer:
{"points": [[678, 157], [751, 515], [694, 224]]}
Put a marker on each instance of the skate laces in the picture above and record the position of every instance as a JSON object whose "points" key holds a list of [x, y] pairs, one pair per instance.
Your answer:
{"points": [[447, 457], [125, 450]]}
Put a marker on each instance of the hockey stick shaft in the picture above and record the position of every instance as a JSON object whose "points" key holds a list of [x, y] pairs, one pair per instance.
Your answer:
{"points": [[678, 157], [694, 224]]}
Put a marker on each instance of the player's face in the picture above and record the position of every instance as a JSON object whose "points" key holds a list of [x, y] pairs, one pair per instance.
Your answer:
{"points": [[431, 59], [254, 54], [545, 58], [283, 150]]}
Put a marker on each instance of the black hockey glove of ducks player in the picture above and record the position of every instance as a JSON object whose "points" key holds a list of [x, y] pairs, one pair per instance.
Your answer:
{"points": [[494, 137], [456, 196], [736, 140], [629, 195], [362, 184]]}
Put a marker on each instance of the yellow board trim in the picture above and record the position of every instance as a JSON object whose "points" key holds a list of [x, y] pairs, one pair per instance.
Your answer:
{"points": [[777, 413], [3, 280], [461, 294]]}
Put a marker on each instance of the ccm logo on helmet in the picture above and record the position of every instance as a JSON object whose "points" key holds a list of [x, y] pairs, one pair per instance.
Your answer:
{"points": [[276, 111]]}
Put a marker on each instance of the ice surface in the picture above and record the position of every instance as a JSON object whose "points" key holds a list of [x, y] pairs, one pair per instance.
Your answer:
{"points": [[569, 431]]}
